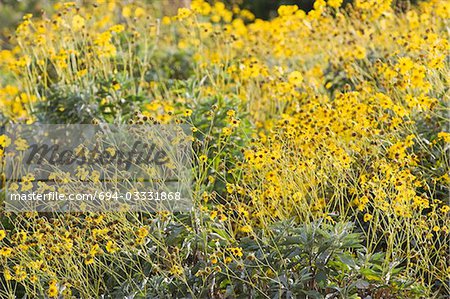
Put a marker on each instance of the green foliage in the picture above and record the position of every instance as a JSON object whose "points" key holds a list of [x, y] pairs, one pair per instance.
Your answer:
{"points": [[66, 104]]}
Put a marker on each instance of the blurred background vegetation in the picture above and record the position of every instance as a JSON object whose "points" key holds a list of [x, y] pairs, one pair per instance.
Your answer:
{"points": [[11, 11], [266, 9]]}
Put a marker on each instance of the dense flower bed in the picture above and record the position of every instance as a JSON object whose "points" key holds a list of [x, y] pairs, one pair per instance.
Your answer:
{"points": [[321, 146]]}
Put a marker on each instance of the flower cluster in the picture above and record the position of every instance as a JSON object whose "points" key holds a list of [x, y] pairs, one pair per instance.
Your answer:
{"points": [[335, 115]]}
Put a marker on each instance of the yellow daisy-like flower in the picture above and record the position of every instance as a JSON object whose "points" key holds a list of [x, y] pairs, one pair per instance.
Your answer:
{"points": [[236, 251], [176, 270], [213, 215], [7, 274], [78, 23], [89, 260], [6, 252], [5, 141], [142, 232], [214, 260], [246, 229], [183, 13], [21, 144], [111, 247], [2, 234], [405, 64], [367, 217], [335, 3], [52, 291], [295, 78], [360, 52]]}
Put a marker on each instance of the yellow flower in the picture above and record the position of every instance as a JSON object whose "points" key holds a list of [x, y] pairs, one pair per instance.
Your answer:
{"points": [[2, 234], [6, 251], [444, 136], [295, 78], [176, 270], [213, 215], [67, 292], [7, 274], [126, 11], [165, 20], [287, 10], [405, 64], [78, 23], [335, 3], [142, 232], [5, 141], [222, 217], [236, 251], [89, 260], [26, 186], [230, 188], [139, 12], [95, 249], [367, 217], [246, 229], [95, 176], [213, 259], [36, 265], [445, 209], [33, 278], [183, 13], [116, 86], [21, 144], [111, 247], [235, 122], [360, 52], [81, 173], [52, 289], [187, 112], [215, 18], [20, 274], [227, 131], [117, 28]]}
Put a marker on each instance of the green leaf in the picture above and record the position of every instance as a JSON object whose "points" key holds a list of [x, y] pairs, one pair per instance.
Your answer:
{"points": [[321, 278], [370, 274], [347, 259]]}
